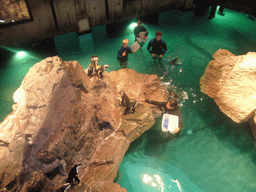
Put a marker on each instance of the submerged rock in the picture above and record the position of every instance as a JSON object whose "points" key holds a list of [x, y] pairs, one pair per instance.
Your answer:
{"points": [[62, 117], [231, 81]]}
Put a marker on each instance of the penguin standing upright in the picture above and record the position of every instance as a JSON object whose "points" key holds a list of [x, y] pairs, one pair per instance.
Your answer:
{"points": [[101, 69], [93, 65], [72, 178], [125, 100], [129, 106]]}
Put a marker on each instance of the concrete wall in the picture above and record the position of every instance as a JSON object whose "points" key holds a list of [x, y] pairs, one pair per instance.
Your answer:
{"points": [[42, 27], [69, 12]]}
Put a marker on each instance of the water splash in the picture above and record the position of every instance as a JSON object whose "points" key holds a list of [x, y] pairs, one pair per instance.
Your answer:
{"points": [[166, 73], [182, 95]]}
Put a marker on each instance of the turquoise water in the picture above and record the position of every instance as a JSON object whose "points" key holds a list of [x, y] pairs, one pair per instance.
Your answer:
{"points": [[212, 153]]}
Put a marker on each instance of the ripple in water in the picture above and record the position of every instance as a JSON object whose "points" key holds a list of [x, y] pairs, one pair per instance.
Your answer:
{"points": [[182, 95]]}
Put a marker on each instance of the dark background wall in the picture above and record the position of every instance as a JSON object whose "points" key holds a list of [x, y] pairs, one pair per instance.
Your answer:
{"points": [[55, 17]]}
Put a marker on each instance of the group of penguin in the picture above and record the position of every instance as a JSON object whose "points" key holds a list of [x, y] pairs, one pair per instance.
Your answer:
{"points": [[95, 69]]}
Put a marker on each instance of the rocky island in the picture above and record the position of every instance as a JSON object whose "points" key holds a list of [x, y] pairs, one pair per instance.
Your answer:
{"points": [[231, 81], [63, 117]]}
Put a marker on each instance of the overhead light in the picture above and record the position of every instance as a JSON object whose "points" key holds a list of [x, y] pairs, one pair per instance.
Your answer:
{"points": [[21, 53], [133, 25]]}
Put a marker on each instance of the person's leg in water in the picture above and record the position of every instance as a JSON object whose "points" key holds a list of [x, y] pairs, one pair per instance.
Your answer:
{"points": [[154, 57], [160, 58], [160, 55], [221, 9], [123, 63], [213, 10]]}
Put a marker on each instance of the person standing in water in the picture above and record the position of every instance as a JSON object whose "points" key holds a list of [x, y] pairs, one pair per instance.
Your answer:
{"points": [[123, 53], [170, 107], [158, 46], [137, 30]]}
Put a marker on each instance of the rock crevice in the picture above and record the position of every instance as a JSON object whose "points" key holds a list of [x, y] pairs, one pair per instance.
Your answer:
{"points": [[62, 117], [231, 81]]}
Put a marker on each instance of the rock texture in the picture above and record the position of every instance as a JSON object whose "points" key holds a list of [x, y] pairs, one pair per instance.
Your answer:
{"points": [[139, 86], [231, 81], [62, 117]]}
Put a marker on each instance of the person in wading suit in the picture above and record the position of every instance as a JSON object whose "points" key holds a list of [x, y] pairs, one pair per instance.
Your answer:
{"points": [[170, 107], [157, 46], [123, 53]]}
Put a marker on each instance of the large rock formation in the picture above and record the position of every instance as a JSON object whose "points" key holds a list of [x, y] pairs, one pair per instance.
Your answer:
{"points": [[231, 81], [62, 117]]}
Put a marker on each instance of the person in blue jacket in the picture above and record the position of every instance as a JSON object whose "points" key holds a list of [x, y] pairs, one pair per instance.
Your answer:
{"points": [[139, 28], [157, 46], [123, 53]]}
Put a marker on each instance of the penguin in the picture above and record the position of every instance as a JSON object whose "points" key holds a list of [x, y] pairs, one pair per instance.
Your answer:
{"points": [[93, 65], [72, 178], [131, 107], [173, 62], [101, 69], [125, 100]]}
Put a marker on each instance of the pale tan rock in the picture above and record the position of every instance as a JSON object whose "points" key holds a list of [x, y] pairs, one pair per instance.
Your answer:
{"points": [[62, 117], [108, 187], [41, 101], [77, 74], [114, 148], [139, 86], [38, 182], [231, 81], [137, 123]]}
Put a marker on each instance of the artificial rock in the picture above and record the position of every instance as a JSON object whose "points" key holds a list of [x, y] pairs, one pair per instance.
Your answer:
{"points": [[231, 81], [62, 117]]}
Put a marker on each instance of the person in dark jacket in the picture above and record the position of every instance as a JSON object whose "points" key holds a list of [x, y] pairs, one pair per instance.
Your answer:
{"points": [[123, 53], [157, 46], [170, 107], [139, 28]]}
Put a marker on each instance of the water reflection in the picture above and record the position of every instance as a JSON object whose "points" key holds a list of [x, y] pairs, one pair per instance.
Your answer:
{"points": [[142, 173], [156, 181]]}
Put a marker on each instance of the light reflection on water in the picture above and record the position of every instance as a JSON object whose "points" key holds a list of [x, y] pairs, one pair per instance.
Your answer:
{"points": [[156, 181], [148, 175], [183, 95]]}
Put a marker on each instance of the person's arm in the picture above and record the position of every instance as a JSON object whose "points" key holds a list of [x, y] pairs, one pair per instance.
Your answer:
{"points": [[160, 104], [150, 43], [144, 29], [130, 50]]}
